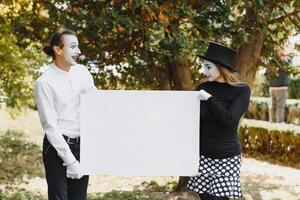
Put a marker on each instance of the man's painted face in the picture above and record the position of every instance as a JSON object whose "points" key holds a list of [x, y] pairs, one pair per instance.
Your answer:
{"points": [[71, 49], [211, 70]]}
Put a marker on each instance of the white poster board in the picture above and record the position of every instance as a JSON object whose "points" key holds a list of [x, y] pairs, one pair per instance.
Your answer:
{"points": [[143, 133]]}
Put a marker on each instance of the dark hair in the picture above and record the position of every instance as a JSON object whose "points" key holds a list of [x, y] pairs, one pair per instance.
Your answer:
{"points": [[56, 39]]}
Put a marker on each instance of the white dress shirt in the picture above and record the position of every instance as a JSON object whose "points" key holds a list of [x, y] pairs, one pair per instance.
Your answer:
{"points": [[57, 94]]}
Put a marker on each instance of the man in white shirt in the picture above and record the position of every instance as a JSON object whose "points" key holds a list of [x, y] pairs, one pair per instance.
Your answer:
{"points": [[57, 94]]}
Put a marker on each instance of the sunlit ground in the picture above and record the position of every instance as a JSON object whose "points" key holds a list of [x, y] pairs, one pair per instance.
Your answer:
{"points": [[260, 180]]}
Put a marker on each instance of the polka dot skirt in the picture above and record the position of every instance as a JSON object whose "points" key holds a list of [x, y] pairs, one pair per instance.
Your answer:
{"points": [[218, 177]]}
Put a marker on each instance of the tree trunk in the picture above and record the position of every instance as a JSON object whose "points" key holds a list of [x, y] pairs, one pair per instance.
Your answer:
{"points": [[248, 57], [164, 79], [182, 184], [181, 74]]}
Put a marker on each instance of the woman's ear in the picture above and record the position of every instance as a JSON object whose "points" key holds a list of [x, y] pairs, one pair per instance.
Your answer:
{"points": [[57, 50]]}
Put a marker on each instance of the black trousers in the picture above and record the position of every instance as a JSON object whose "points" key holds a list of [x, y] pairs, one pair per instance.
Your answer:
{"points": [[206, 196], [59, 186]]}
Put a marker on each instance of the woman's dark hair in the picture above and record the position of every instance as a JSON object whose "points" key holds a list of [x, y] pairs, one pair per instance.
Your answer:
{"points": [[56, 39]]}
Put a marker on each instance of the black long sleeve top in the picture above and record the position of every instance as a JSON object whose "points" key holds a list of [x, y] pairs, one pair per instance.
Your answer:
{"points": [[219, 118]]}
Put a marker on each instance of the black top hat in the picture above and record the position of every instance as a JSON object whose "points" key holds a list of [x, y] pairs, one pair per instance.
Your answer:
{"points": [[221, 55]]}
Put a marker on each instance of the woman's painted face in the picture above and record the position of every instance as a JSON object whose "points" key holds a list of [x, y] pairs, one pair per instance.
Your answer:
{"points": [[211, 70], [71, 49]]}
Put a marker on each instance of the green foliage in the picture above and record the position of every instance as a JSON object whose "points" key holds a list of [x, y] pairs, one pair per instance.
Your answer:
{"points": [[154, 186], [294, 89], [18, 158], [18, 194], [117, 195], [148, 35], [143, 42], [261, 88], [19, 56]]}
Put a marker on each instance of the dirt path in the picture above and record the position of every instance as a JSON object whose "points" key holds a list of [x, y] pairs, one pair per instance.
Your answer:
{"points": [[262, 180]]}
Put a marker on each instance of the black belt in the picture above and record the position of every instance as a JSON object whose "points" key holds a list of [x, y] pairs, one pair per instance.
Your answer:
{"points": [[72, 140]]}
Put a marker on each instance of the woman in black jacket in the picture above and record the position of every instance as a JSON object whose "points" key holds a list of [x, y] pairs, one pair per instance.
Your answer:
{"points": [[224, 100]]}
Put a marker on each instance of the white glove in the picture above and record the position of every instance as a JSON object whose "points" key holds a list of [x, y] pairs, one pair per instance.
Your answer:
{"points": [[74, 171], [203, 95]]}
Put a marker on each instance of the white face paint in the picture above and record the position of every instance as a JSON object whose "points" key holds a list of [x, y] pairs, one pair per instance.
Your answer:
{"points": [[71, 49], [211, 70]]}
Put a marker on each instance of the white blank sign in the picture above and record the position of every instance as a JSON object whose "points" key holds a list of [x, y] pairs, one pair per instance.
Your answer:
{"points": [[143, 133]]}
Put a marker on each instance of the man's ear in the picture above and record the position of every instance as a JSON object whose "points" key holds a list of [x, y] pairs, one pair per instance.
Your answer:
{"points": [[57, 50]]}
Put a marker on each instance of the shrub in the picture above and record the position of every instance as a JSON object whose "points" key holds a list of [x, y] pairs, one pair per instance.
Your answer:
{"points": [[280, 145], [259, 109], [18, 158], [294, 89], [261, 88]]}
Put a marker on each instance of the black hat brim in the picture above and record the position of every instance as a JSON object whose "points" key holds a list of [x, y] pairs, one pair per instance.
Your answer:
{"points": [[218, 62]]}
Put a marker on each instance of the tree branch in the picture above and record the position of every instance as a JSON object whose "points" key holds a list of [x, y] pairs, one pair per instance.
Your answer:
{"points": [[287, 15]]}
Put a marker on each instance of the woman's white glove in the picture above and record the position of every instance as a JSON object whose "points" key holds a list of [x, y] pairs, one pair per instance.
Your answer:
{"points": [[203, 95], [74, 171]]}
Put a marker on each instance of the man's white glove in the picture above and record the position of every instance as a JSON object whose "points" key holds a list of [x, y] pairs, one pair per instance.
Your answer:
{"points": [[74, 171], [203, 95]]}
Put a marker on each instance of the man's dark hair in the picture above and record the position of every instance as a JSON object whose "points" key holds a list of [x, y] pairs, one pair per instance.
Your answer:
{"points": [[56, 39]]}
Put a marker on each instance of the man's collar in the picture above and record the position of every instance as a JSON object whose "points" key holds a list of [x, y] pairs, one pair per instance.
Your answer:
{"points": [[58, 70]]}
